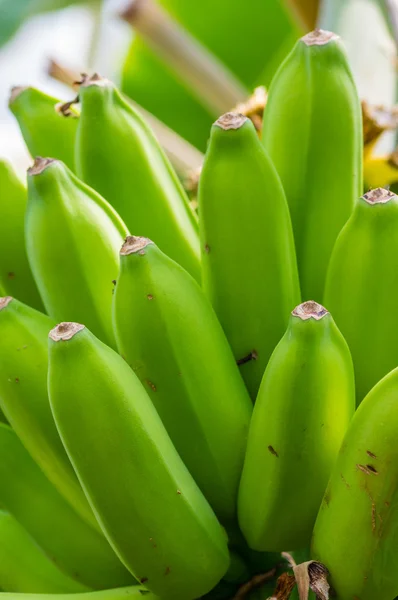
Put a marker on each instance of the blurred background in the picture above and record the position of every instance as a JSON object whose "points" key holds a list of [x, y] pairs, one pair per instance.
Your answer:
{"points": [[184, 61]]}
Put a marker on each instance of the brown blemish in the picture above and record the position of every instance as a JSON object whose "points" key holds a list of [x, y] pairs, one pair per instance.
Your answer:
{"points": [[368, 469], [369, 453], [274, 452], [151, 385], [207, 248], [345, 481], [10, 275], [150, 297], [167, 571], [5, 301], [378, 196], [65, 331], [251, 356], [310, 310], [16, 379], [143, 579], [319, 37], [373, 516], [134, 244], [40, 164], [387, 504], [326, 497], [231, 121], [114, 281], [64, 108], [178, 492]]}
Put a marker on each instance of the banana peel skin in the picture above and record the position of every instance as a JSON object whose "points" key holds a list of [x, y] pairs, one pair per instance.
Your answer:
{"points": [[46, 130], [148, 505], [312, 131], [303, 409], [24, 397], [241, 200], [356, 531], [76, 548], [118, 155], [361, 284], [16, 278], [138, 592], [168, 333], [25, 568], [65, 221]]}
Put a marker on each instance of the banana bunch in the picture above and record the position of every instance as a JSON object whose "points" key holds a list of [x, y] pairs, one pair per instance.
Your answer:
{"points": [[178, 392]]}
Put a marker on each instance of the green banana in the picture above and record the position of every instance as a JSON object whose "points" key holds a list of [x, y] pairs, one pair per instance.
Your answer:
{"points": [[47, 128], [137, 592], [65, 220], [15, 274], [118, 155], [75, 547], [241, 198], [361, 287], [23, 565], [168, 333], [24, 398], [303, 408], [356, 531], [147, 503], [312, 131]]}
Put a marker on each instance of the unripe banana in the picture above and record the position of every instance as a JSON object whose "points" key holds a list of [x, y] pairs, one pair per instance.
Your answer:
{"points": [[118, 155], [137, 592], [23, 565], [362, 287], [146, 501], [15, 275], [46, 129], [303, 408], [75, 547], [24, 398], [169, 334], [312, 131], [356, 531], [241, 198], [65, 220]]}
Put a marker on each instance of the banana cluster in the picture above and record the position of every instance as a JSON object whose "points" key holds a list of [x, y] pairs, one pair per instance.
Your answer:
{"points": [[179, 392]]}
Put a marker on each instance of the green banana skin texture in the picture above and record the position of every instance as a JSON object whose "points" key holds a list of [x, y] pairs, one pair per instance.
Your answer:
{"points": [[23, 565], [361, 287], [241, 200], [137, 592], [118, 155], [16, 278], [147, 503], [303, 409], [65, 222], [312, 131], [169, 334], [46, 131], [356, 531], [73, 545], [24, 397]]}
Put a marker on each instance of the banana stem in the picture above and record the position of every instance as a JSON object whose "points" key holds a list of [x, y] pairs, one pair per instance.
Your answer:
{"points": [[254, 583], [184, 157], [208, 78]]}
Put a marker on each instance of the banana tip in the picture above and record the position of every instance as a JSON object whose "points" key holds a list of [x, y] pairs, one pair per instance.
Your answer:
{"points": [[65, 331], [134, 244], [5, 301], [231, 120], [95, 79], [15, 92], [310, 310], [319, 37], [40, 164], [378, 196]]}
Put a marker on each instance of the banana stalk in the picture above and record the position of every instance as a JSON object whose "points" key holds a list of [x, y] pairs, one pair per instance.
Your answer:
{"points": [[303, 409], [168, 333], [118, 155], [47, 129], [356, 531], [312, 132], [64, 219], [75, 547], [146, 501], [15, 275], [241, 200], [361, 287]]}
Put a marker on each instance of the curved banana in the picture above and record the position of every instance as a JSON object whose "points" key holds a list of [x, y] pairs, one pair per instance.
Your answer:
{"points": [[24, 398], [241, 198], [65, 221], [312, 131], [146, 501], [356, 531], [362, 286], [23, 565], [118, 155], [46, 129], [15, 275], [168, 333], [304, 406], [75, 547], [137, 592]]}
